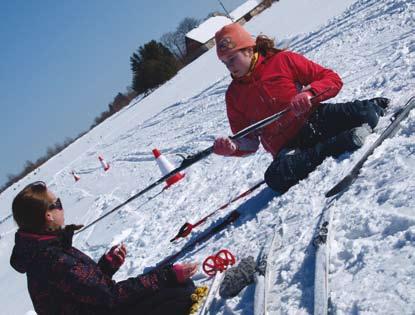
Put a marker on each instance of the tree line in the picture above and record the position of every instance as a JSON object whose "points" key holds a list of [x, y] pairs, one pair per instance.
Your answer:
{"points": [[30, 166]]}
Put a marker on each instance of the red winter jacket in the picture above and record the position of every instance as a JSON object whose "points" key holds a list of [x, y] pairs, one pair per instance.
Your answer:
{"points": [[275, 80]]}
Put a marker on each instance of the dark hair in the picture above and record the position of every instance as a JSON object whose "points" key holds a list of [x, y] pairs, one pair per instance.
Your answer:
{"points": [[30, 205], [266, 46]]}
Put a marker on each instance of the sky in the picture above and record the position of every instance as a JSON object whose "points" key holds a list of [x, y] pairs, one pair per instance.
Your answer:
{"points": [[63, 62]]}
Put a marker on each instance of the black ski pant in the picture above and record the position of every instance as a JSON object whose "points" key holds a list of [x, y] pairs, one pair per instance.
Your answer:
{"points": [[327, 133]]}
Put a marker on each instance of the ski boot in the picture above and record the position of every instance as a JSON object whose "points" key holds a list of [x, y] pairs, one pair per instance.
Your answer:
{"points": [[382, 103], [347, 141]]}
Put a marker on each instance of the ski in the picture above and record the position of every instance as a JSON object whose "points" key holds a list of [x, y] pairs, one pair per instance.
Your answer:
{"points": [[230, 218], [322, 262], [325, 227], [262, 274], [389, 132], [212, 295], [266, 266]]}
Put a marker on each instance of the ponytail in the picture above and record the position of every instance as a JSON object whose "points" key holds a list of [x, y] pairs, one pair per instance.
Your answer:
{"points": [[266, 46]]}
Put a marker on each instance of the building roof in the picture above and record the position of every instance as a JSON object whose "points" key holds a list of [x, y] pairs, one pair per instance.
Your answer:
{"points": [[205, 31], [244, 8]]}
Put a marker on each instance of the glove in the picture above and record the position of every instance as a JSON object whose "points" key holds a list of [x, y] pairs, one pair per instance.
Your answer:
{"points": [[184, 271], [116, 256], [224, 146], [301, 103]]}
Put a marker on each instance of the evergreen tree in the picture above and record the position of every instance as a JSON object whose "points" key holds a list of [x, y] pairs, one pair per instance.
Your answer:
{"points": [[152, 65]]}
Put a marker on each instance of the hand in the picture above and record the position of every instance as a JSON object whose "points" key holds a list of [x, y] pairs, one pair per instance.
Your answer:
{"points": [[301, 103], [116, 256], [224, 146], [184, 271]]}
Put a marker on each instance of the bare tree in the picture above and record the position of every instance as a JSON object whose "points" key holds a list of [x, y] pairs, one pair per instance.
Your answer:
{"points": [[175, 41], [186, 25]]}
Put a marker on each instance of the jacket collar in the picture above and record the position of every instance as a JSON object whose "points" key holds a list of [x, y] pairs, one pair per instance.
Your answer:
{"points": [[29, 244], [253, 71], [35, 236], [62, 236]]}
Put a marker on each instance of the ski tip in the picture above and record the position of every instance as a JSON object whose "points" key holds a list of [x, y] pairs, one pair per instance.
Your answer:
{"points": [[341, 186], [334, 191], [331, 192]]}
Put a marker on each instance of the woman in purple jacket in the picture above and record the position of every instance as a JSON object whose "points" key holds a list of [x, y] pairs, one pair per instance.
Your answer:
{"points": [[63, 280]]}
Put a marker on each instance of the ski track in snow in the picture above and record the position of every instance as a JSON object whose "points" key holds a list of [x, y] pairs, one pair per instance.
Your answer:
{"points": [[372, 46]]}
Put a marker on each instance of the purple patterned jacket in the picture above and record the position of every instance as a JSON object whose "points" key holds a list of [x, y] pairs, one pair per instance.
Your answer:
{"points": [[63, 280]]}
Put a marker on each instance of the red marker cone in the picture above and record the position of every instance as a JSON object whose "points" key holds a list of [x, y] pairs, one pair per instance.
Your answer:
{"points": [[75, 176], [165, 168], [104, 163]]}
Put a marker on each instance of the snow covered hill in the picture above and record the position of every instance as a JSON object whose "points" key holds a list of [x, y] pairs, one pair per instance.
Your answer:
{"points": [[371, 44]]}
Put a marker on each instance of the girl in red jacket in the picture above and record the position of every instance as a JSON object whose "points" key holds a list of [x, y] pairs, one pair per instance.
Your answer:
{"points": [[267, 80], [63, 280]]}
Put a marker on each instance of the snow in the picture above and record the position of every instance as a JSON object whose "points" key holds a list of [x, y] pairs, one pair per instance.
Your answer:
{"points": [[371, 44], [206, 31]]}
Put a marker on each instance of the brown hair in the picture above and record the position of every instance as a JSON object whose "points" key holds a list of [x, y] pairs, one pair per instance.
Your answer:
{"points": [[30, 205], [266, 46]]}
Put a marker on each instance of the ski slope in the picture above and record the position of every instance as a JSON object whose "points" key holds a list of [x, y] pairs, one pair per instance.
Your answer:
{"points": [[371, 44]]}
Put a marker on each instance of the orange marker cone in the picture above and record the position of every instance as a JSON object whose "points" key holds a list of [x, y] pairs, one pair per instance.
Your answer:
{"points": [[165, 168], [75, 176], [104, 163]]}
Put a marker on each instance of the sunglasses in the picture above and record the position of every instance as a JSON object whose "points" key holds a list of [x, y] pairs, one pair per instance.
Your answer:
{"points": [[56, 205]]}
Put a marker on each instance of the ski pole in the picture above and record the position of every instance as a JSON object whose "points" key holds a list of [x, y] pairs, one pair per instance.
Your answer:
{"points": [[230, 218], [116, 208], [192, 159], [187, 228]]}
